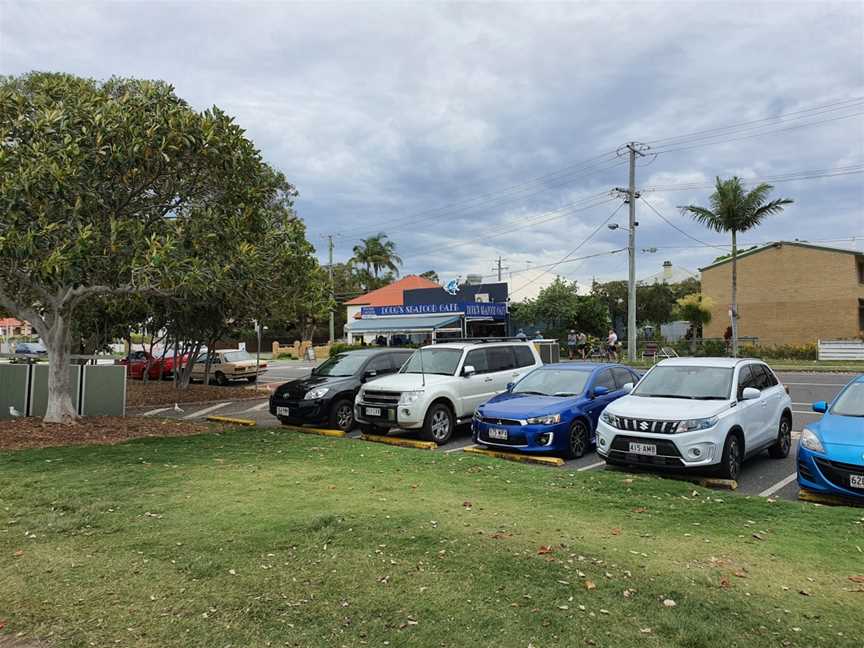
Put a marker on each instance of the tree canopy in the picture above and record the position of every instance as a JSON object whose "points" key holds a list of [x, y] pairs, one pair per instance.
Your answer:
{"points": [[120, 188]]}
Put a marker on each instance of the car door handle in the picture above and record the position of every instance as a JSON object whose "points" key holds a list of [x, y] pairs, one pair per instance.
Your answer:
{"points": [[488, 379]]}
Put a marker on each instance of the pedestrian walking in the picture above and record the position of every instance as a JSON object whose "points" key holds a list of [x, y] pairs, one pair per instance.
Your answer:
{"points": [[521, 335], [582, 344], [612, 346], [572, 343]]}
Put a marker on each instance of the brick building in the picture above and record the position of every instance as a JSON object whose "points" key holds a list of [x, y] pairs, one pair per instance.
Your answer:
{"points": [[789, 293]]}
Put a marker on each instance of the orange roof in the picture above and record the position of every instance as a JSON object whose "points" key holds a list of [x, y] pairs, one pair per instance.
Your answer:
{"points": [[391, 295], [10, 321]]}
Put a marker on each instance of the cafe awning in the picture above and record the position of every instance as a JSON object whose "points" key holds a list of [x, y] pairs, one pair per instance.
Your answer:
{"points": [[403, 324]]}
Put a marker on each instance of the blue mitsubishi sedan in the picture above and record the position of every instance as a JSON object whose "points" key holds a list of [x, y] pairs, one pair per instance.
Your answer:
{"points": [[552, 410], [831, 451]]}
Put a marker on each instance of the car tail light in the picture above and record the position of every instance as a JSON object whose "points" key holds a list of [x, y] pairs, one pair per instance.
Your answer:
{"points": [[786, 387]]}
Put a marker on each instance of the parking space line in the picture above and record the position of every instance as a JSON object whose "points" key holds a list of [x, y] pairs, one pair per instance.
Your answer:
{"points": [[204, 411], [803, 412], [776, 487], [156, 411], [257, 408], [815, 384], [591, 466], [460, 448]]}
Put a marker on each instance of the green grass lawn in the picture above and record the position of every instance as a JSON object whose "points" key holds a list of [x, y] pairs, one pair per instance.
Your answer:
{"points": [[273, 538]]}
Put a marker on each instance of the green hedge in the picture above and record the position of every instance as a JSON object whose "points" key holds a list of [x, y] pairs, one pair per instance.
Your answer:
{"points": [[342, 347]]}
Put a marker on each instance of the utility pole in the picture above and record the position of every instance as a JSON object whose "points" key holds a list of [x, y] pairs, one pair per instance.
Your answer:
{"points": [[634, 149], [500, 268], [332, 296]]}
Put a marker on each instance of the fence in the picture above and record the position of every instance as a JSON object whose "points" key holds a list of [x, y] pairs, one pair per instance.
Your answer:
{"points": [[841, 350], [97, 389]]}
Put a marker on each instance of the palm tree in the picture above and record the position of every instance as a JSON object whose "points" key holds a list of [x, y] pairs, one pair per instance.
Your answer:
{"points": [[735, 210], [377, 253]]}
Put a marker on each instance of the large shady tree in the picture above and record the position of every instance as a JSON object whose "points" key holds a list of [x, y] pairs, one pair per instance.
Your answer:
{"points": [[118, 188], [734, 210]]}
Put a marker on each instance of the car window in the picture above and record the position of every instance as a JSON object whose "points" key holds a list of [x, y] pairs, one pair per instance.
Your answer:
{"points": [[380, 364], [605, 379], [501, 358], [524, 357], [399, 359], [760, 377], [477, 358], [622, 376], [770, 378], [745, 379]]}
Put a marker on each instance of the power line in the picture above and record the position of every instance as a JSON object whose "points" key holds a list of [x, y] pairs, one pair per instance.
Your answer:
{"points": [[573, 251], [674, 226], [792, 176]]}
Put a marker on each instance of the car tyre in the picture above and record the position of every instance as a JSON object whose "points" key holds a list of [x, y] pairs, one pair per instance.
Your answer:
{"points": [[252, 379], [577, 440], [730, 463], [369, 428], [781, 447], [342, 415], [438, 424], [221, 379]]}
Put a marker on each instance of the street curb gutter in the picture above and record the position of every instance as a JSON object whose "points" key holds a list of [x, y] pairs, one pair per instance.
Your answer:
{"points": [[231, 419], [831, 500], [512, 456], [397, 441], [705, 482], [320, 432]]}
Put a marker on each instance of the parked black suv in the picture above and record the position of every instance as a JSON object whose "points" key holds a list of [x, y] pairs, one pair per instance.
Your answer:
{"points": [[327, 396]]}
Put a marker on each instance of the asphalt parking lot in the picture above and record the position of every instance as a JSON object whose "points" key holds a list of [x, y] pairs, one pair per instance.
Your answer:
{"points": [[761, 476]]}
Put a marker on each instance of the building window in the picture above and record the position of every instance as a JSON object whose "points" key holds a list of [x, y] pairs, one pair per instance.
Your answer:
{"points": [[861, 314], [861, 271]]}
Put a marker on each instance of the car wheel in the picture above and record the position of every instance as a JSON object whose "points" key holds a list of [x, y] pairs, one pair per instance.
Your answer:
{"points": [[221, 379], [780, 449], [438, 426], [342, 415], [252, 379], [730, 464], [577, 443]]}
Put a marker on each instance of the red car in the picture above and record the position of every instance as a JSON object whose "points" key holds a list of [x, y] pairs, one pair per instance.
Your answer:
{"points": [[136, 362]]}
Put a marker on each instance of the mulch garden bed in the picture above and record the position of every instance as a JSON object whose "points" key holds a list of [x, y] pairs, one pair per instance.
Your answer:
{"points": [[139, 394], [31, 432]]}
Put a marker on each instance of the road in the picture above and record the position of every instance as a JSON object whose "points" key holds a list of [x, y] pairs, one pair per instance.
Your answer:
{"points": [[761, 476]]}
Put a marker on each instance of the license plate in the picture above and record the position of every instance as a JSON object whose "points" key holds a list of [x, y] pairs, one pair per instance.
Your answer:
{"points": [[496, 433], [283, 411], [856, 481], [373, 411], [643, 449]]}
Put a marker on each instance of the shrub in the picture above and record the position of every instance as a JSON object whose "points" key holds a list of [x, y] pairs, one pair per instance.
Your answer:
{"points": [[342, 347]]}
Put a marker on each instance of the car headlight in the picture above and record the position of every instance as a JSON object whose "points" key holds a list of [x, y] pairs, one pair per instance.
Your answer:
{"points": [[811, 441], [696, 424], [549, 419], [316, 393], [609, 418], [477, 415], [409, 397]]}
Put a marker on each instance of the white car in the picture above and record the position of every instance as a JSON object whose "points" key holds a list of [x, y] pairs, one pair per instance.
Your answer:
{"points": [[705, 413], [441, 385]]}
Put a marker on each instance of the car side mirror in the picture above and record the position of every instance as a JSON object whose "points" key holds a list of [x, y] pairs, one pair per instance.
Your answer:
{"points": [[820, 406], [750, 393], [510, 386], [369, 373], [468, 371], [627, 388], [600, 390]]}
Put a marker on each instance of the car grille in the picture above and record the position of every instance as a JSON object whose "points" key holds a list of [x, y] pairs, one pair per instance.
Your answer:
{"points": [[381, 397], [647, 425], [838, 473], [805, 471], [499, 421]]}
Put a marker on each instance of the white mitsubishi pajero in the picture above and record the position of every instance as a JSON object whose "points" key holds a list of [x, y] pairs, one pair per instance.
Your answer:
{"points": [[441, 385], [699, 413]]}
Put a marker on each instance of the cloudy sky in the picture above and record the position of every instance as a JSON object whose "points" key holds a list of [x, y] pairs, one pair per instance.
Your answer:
{"points": [[472, 131]]}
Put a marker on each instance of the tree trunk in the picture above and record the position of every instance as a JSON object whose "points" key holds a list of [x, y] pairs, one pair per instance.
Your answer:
{"points": [[57, 341], [734, 294]]}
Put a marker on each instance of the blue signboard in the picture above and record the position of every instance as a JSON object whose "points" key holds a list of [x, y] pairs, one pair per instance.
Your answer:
{"points": [[471, 309]]}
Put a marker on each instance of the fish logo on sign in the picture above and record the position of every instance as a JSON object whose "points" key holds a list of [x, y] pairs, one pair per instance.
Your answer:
{"points": [[452, 287]]}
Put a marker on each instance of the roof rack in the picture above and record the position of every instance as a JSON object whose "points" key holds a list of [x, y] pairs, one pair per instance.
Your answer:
{"points": [[479, 340]]}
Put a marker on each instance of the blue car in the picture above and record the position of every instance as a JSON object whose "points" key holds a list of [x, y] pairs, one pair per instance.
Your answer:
{"points": [[553, 410], [831, 451]]}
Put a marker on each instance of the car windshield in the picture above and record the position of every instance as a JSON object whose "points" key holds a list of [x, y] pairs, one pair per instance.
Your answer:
{"points": [[850, 402], [553, 382], [344, 364], [695, 383], [237, 356], [433, 361]]}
